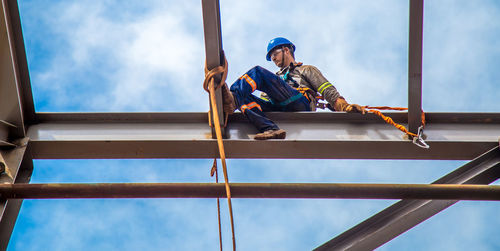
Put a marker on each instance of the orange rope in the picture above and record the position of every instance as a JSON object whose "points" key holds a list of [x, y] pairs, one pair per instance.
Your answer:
{"points": [[212, 173], [209, 85], [389, 120]]}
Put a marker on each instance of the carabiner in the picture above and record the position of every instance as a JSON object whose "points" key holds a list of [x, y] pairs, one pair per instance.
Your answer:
{"points": [[419, 141]]}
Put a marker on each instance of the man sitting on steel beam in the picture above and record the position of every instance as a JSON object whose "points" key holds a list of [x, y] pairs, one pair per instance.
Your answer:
{"points": [[294, 87]]}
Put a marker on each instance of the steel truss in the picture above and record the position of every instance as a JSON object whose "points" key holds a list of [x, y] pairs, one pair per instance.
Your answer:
{"points": [[26, 135]]}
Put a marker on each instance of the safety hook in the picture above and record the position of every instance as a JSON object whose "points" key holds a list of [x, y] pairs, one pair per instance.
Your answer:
{"points": [[419, 141]]}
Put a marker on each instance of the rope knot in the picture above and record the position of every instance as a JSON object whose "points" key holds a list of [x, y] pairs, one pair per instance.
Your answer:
{"points": [[210, 75]]}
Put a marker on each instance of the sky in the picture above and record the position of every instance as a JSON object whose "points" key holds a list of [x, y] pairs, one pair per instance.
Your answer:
{"points": [[148, 56]]}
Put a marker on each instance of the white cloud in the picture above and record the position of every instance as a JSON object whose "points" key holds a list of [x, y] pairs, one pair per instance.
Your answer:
{"points": [[130, 56], [461, 56], [152, 61]]}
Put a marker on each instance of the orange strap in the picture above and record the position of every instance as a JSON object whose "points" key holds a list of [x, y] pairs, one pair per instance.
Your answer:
{"points": [[374, 110], [209, 85], [388, 120]]}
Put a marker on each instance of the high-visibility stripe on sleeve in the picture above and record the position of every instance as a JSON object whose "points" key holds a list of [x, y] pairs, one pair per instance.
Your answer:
{"points": [[251, 105], [250, 81], [323, 86]]}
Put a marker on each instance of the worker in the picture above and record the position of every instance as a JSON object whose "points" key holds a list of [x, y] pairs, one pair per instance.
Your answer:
{"points": [[293, 88]]}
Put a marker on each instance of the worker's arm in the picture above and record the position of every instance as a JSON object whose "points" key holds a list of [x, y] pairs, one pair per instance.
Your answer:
{"points": [[321, 85]]}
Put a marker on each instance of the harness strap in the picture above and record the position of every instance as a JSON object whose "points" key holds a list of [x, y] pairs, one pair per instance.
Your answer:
{"points": [[290, 100], [303, 91]]}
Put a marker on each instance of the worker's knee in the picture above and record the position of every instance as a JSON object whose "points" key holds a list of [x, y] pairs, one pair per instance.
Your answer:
{"points": [[259, 70]]}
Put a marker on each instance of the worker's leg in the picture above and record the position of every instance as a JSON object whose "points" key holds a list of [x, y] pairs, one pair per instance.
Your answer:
{"points": [[263, 80], [282, 97], [254, 108]]}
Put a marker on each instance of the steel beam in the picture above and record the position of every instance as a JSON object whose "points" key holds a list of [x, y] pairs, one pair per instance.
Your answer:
{"points": [[310, 135], [415, 65], [19, 167], [213, 47], [250, 190], [16, 100], [406, 214]]}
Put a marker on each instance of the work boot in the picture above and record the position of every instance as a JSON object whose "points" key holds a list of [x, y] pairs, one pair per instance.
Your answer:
{"points": [[228, 103], [271, 134]]}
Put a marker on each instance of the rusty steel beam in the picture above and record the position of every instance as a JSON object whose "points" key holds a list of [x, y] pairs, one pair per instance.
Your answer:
{"points": [[251, 190], [415, 65]]}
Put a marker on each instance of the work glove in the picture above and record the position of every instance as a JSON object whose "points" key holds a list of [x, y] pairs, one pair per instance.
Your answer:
{"points": [[228, 103], [341, 105]]}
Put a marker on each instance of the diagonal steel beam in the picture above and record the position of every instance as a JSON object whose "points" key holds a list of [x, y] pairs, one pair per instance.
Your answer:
{"points": [[213, 47], [16, 100], [415, 65], [404, 215], [19, 167]]}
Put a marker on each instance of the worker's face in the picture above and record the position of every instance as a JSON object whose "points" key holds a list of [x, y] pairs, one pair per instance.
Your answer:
{"points": [[278, 57]]}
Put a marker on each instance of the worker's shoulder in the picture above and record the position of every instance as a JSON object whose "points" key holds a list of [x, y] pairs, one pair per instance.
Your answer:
{"points": [[307, 68]]}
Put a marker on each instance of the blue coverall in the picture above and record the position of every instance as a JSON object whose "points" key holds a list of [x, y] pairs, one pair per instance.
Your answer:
{"points": [[282, 97]]}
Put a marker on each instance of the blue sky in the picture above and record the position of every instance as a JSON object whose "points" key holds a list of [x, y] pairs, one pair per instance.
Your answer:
{"points": [[99, 56]]}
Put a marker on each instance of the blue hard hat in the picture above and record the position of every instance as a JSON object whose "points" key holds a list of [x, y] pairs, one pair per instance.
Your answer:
{"points": [[277, 42]]}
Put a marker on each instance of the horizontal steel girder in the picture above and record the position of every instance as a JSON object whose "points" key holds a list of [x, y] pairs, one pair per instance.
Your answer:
{"points": [[251, 190], [309, 135]]}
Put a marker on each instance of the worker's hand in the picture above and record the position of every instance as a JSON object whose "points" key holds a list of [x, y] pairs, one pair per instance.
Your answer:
{"points": [[355, 108], [342, 106]]}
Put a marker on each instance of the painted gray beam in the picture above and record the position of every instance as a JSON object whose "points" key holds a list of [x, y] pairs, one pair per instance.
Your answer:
{"points": [[19, 168], [213, 48], [415, 65], [404, 215], [310, 135], [16, 100]]}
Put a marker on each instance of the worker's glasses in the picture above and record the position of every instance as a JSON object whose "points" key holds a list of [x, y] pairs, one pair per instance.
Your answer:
{"points": [[275, 53]]}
